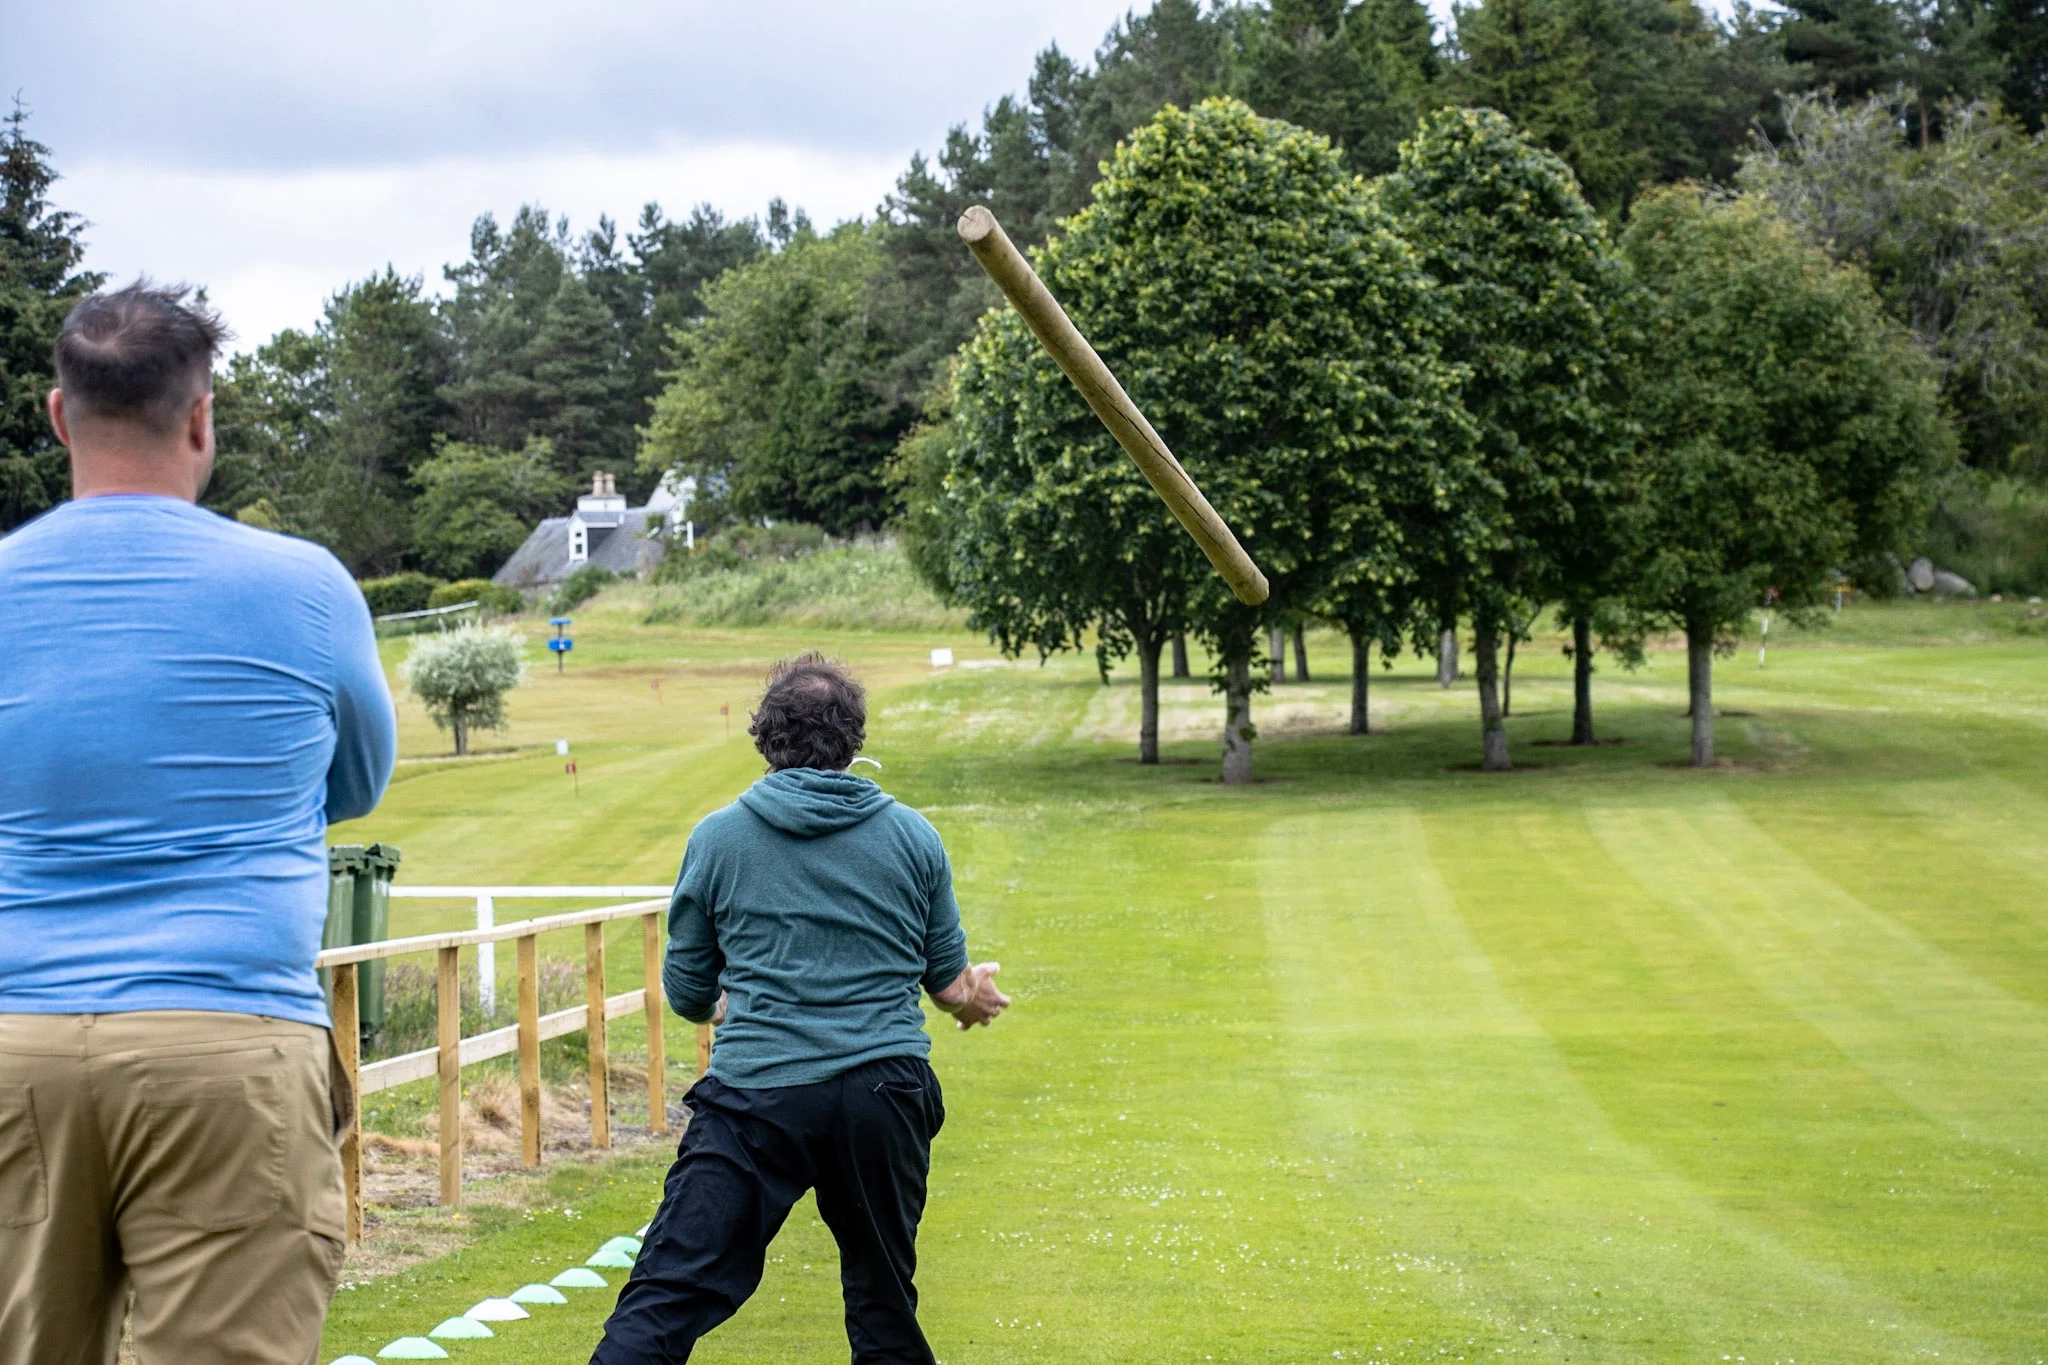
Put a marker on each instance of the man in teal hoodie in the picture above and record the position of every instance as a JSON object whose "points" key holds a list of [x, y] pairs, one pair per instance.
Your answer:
{"points": [[808, 915]]}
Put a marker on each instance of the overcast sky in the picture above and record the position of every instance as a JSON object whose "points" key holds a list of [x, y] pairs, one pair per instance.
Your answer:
{"points": [[273, 150]]}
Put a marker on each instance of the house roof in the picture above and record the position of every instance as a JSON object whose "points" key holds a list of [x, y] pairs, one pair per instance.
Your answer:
{"points": [[544, 559]]}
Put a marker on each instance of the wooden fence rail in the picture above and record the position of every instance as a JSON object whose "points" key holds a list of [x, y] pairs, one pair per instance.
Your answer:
{"points": [[452, 1051]]}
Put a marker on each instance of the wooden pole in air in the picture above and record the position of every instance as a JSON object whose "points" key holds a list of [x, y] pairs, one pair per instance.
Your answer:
{"points": [[1056, 332], [448, 1011]]}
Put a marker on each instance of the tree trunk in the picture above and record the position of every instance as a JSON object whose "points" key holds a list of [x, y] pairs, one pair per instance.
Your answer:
{"points": [[1447, 658], [458, 723], [1582, 679], [1148, 699], [1300, 656], [1699, 659], [1180, 656], [1237, 722], [1276, 653], [1493, 735], [1507, 681], [1361, 682]]}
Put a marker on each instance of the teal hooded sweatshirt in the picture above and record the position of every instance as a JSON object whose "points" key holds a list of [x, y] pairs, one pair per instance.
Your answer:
{"points": [[820, 906]]}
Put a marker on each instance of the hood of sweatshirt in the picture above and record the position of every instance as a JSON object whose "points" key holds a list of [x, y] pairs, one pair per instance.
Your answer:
{"points": [[808, 802]]}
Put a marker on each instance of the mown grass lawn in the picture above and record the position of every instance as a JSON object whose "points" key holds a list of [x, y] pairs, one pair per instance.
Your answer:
{"points": [[1383, 1058]]}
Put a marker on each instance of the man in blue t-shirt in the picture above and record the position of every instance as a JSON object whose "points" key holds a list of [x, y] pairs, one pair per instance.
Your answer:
{"points": [[808, 915], [186, 704]]}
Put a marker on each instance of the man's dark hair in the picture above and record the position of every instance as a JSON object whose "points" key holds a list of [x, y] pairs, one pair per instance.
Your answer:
{"points": [[139, 354], [813, 715]]}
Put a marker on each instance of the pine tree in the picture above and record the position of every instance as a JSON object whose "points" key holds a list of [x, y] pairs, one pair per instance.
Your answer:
{"points": [[583, 403], [40, 251]]}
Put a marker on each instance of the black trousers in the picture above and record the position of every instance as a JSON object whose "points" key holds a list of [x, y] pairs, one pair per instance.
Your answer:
{"points": [[863, 1140]]}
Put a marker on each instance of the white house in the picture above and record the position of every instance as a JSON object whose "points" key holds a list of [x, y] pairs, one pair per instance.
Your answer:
{"points": [[602, 531]]}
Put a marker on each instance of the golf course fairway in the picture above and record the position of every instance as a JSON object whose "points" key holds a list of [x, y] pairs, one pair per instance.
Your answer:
{"points": [[1382, 1058]]}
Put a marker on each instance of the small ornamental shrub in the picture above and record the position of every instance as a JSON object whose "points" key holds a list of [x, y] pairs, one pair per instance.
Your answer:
{"points": [[462, 676]]}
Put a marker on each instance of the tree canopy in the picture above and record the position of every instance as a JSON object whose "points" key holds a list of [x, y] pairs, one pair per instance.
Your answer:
{"points": [[1533, 295], [775, 405], [1789, 426], [1261, 311]]}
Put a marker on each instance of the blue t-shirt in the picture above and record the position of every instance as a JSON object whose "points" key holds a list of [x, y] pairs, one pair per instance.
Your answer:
{"points": [[185, 703]]}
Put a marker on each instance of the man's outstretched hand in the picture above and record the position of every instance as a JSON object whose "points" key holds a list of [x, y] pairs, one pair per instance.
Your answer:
{"points": [[973, 998]]}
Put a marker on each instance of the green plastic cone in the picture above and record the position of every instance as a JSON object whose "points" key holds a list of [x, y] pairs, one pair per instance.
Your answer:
{"points": [[629, 1245], [537, 1293], [462, 1329], [351, 1360], [617, 1260], [412, 1348], [579, 1278], [496, 1310]]}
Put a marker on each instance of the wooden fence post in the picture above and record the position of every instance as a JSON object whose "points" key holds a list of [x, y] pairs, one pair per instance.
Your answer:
{"points": [[348, 1043], [703, 1050], [600, 1062], [657, 1050], [529, 1050], [448, 1016]]}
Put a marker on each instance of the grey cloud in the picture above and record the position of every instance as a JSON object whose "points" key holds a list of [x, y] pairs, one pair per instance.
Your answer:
{"points": [[245, 85]]}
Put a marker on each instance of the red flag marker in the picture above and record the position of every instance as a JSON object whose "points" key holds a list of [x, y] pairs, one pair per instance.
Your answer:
{"points": [[574, 781]]}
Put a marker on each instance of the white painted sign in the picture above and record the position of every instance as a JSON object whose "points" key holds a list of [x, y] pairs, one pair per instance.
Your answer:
{"points": [[942, 658]]}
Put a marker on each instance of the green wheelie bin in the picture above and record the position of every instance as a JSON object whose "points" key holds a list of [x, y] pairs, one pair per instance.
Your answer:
{"points": [[372, 924], [344, 861]]}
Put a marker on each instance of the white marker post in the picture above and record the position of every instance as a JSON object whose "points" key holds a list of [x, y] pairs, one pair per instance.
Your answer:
{"points": [[487, 958]]}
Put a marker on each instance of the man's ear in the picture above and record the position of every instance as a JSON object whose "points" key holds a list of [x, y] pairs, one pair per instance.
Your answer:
{"points": [[55, 402], [199, 425]]}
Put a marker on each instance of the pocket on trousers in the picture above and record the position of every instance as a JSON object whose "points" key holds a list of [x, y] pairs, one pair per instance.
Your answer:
{"points": [[922, 1095], [215, 1149], [24, 1185]]}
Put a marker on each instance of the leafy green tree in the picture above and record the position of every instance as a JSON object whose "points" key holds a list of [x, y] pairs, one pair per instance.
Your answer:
{"points": [[40, 279], [1789, 425], [1951, 235], [325, 427], [1534, 293], [777, 405], [476, 505], [1262, 312], [461, 676]]}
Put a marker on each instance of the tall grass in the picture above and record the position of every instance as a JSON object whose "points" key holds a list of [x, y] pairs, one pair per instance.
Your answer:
{"points": [[865, 585]]}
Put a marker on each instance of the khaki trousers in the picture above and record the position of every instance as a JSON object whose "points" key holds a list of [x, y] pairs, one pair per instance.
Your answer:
{"points": [[189, 1157]]}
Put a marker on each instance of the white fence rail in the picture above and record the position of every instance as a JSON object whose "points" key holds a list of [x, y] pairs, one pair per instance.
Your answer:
{"points": [[487, 898]]}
